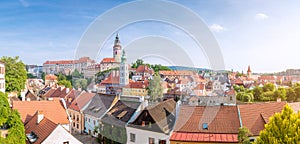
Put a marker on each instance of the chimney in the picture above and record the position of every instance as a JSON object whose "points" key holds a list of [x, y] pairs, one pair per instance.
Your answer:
{"points": [[67, 90], [40, 116], [23, 93], [278, 99]]}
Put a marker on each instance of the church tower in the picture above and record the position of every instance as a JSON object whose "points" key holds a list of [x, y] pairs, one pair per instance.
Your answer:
{"points": [[117, 49], [124, 74], [249, 72]]}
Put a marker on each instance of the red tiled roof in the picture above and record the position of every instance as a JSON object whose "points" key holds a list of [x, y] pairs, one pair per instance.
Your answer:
{"points": [[138, 84], [144, 69], [108, 60], [53, 110], [59, 62], [204, 137], [81, 101], [43, 129], [220, 119], [230, 92], [200, 87], [81, 60], [71, 96], [50, 77], [176, 73], [49, 93], [111, 80], [255, 116]]}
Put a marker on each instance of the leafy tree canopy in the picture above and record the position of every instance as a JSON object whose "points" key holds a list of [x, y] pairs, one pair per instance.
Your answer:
{"points": [[11, 120], [155, 89], [15, 74], [66, 83], [283, 127]]}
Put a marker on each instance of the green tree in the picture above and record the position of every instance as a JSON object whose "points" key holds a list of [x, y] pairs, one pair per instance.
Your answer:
{"points": [[268, 87], [61, 77], [283, 127], [76, 74], [257, 91], [297, 93], [267, 96], [243, 135], [29, 75], [290, 95], [158, 67], [245, 96], [137, 63], [15, 74], [81, 83], [43, 76], [66, 83], [280, 93], [4, 108], [11, 120], [155, 89]]}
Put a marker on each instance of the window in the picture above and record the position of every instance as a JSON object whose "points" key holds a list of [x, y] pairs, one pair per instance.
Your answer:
{"points": [[73, 124], [67, 142], [151, 140], [162, 142], [77, 126], [132, 137], [94, 122], [205, 126]]}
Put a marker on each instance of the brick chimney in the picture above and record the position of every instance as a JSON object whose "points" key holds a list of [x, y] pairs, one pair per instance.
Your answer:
{"points": [[40, 116]]}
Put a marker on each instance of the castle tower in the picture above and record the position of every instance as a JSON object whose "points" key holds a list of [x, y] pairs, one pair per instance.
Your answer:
{"points": [[249, 72], [117, 49], [124, 74]]}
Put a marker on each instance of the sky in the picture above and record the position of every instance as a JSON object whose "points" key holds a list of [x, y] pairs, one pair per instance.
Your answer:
{"points": [[261, 33]]}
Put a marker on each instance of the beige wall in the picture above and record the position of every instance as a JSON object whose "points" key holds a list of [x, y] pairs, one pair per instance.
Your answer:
{"points": [[77, 124]]}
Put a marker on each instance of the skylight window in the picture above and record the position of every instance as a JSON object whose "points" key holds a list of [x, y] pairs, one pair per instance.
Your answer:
{"points": [[205, 126]]}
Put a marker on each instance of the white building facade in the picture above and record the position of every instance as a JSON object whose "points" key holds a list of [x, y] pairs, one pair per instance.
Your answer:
{"points": [[139, 136]]}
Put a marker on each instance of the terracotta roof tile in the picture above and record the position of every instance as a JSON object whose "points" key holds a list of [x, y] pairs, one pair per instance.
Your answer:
{"points": [[111, 80], [50, 77], [176, 73], [108, 60], [71, 96], [220, 119], [81, 101], [53, 110], [255, 116], [200, 87], [43, 129], [204, 137], [144, 69], [59, 62]]}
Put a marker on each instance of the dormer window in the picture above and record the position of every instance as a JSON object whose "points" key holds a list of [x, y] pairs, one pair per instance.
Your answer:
{"points": [[205, 126]]}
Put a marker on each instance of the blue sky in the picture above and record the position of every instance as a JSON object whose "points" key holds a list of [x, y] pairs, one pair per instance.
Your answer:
{"points": [[263, 34]]}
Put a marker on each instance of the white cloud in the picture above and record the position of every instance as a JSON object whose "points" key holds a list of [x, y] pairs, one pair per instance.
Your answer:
{"points": [[261, 16], [217, 28]]}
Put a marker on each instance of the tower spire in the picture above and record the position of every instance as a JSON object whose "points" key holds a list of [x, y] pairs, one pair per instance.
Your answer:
{"points": [[117, 49]]}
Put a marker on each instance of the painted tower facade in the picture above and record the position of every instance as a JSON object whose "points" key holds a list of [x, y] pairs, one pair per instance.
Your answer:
{"points": [[117, 49], [249, 72], [124, 74]]}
